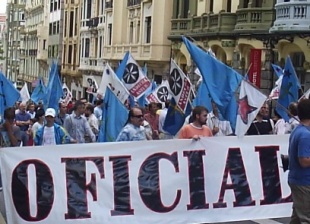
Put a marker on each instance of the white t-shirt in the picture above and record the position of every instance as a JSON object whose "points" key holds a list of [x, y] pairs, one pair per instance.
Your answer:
{"points": [[49, 136]]}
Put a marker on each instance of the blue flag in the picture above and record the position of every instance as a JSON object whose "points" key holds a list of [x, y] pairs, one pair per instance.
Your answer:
{"points": [[8, 94], [277, 70], [39, 92], [114, 117], [203, 97], [175, 117], [122, 66], [221, 81], [54, 89], [289, 89]]}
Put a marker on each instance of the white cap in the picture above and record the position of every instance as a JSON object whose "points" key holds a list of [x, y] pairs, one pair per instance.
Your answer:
{"points": [[50, 112]]}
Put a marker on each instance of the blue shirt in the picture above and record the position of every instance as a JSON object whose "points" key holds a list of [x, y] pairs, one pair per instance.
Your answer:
{"points": [[131, 133], [299, 147], [23, 117]]}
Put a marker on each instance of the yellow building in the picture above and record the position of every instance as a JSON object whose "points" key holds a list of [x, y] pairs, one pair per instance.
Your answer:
{"points": [[231, 28], [111, 28]]}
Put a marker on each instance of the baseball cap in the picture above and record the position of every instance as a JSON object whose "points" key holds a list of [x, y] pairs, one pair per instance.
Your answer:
{"points": [[50, 112]]}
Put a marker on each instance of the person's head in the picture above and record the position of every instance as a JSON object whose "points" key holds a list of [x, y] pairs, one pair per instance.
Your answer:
{"points": [[83, 100], [40, 115], [303, 109], [62, 108], [99, 102], [50, 116], [79, 108], [89, 110], [31, 107], [22, 107], [167, 103], [264, 110], [153, 107], [276, 116], [292, 108], [200, 114], [9, 114], [214, 108], [135, 116]]}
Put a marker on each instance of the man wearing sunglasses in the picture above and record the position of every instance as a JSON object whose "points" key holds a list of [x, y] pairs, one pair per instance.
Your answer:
{"points": [[133, 129]]}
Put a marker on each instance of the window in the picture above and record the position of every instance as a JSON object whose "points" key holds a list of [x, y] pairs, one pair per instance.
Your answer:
{"points": [[259, 3], [51, 6], [131, 33], [228, 6], [88, 9], [82, 48], [186, 8], [50, 29], [70, 55], [148, 26], [58, 4], [54, 28], [71, 25], [211, 5], [75, 56], [110, 34], [57, 27], [138, 32], [87, 43], [55, 6], [76, 22], [44, 44], [245, 3], [65, 23], [100, 46]]}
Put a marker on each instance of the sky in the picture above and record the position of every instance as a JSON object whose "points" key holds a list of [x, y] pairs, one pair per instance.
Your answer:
{"points": [[2, 6]]}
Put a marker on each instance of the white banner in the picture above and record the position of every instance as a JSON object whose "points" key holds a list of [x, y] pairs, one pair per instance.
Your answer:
{"points": [[90, 83], [134, 79], [212, 180]]}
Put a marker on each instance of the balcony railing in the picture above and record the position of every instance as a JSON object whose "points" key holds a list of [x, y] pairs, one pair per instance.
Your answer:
{"points": [[292, 16], [204, 25], [133, 2], [254, 20]]}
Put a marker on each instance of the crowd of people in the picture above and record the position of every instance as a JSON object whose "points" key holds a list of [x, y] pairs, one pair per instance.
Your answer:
{"points": [[79, 122]]}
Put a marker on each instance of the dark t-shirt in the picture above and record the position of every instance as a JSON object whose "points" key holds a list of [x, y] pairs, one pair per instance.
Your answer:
{"points": [[260, 128]]}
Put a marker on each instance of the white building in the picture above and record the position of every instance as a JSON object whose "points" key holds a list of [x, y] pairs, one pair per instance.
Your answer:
{"points": [[34, 43], [2, 40], [15, 25]]}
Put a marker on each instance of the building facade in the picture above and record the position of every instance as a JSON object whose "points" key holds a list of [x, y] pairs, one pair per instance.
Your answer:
{"points": [[111, 28], [233, 28], [2, 41], [34, 39], [15, 25], [71, 47]]}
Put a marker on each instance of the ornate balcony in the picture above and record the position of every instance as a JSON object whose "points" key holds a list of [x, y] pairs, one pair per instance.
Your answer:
{"points": [[254, 20], [292, 16], [204, 25]]}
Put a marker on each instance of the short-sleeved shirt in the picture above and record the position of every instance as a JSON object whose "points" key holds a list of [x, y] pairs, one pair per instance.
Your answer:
{"points": [[299, 147], [189, 130], [131, 133], [23, 117]]}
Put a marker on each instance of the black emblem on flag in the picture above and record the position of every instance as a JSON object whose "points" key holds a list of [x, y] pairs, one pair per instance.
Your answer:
{"points": [[175, 82], [131, 73]]}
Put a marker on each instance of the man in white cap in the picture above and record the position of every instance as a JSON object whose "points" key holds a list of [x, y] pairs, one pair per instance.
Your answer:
{"points": [[51, 133]]}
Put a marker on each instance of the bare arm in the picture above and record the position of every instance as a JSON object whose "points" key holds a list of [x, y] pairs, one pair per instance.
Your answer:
{"points": [[304, 162]]}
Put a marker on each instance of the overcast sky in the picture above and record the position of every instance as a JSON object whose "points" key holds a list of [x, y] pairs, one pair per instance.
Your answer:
{"points": [[2, 6]]}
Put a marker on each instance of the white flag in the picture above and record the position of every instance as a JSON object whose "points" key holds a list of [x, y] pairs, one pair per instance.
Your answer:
{"points": [[109, 79], [275, 92], [249, 103], [160, 94], [24, 94], [180, 86], [67, 97], [134, 79], [306, 95]]}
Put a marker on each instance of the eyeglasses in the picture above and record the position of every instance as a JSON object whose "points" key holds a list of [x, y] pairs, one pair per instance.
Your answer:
{"points": [[137, 116]]}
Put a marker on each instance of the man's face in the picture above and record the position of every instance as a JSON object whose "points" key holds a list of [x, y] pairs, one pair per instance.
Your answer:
{"points": [[137, 117], [63, 108], [153, 108], [22, 107], [31, 107], [264, 110], [49, 119], [202, 118], [81, 109]]}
